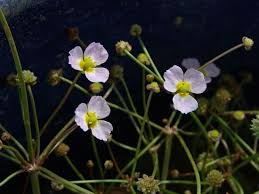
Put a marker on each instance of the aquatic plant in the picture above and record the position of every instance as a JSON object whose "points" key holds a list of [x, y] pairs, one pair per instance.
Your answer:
{"points": [[216, 150]]}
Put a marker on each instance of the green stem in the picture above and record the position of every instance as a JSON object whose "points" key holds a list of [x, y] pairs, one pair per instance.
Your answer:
{"points": [[76, 171], [221, 55], [36, 123], [141, 132], [124, 146], [22, 87], [247, 112], [149, 57], [181, 182], [10, 177], [66, 129], [100, 181], [143, 66], [108, 92], [16, 153], [34, 176], [99, 164], [188, 153], [60, 105], [10, 158], [70, 186]]}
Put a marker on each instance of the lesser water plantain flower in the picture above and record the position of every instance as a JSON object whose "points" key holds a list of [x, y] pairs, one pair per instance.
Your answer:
{"points": [[215, 178], [148, 185], [183, 84], [86, 62], [29, 77], [209, 71], [88, 116]]}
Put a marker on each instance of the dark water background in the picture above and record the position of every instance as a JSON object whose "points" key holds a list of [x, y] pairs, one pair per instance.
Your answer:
{"points": [[207, 28]]}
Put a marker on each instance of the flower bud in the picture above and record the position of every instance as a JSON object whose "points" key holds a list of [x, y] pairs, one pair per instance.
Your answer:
{"points": [[135, 30], [121, 46], [90, 164], [248, 43], [214, 135], [175, 173], [29, 77], [72, 33], [147, 184], [62, 149], [150, 77], [203, 106], [153, 86], [116, 72], [108, 164], [56, 186], [54, 76], [239, 115], [11, 79], [165, 121], [142, 57], [215, 178], [6, 136], [187, 192], [96, 88]]}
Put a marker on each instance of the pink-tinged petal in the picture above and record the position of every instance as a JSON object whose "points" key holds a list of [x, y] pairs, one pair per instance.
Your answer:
{"points": [[81, 110], [208, 80], [99, 105], [196, 79], [212, 70], [99, 74], [97, 52], [75, 56], [102, 130], [172, 77], [190, 63], [184, 104]]}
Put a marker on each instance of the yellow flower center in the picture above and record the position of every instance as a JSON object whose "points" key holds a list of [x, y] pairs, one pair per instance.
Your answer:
{"points": [[183, 88], [91, 119], [87, 64]]}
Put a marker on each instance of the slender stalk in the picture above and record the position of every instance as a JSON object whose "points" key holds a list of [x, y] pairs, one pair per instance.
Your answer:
{"points": [[97, 157], [114, 160], [124, 146], [6, 156], [195, 169], [247, 112], [70, 186], [14, 174], [35, 117], [149, 57], [21, 86], [141, 132], [221, 55], [16, 153], [16, 142], [76, 171], [54, 141], [143, 66], [180, 182], [108, 92], [60, 105], [100, 181]]}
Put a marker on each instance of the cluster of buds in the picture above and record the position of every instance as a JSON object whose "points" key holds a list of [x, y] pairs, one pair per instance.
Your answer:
{"points": [[248, 43], [135, 30], [147, 184], [154, 87], [122, 46], [108, 165], [29, 78], [54, 76], [6, 136], [142, 57], [215, 178]]}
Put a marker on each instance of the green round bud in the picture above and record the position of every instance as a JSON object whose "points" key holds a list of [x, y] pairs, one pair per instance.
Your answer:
{"points": [[153, 86], [215, 178], [11, 79], [116, 72], [147, 184], [96, 88], [175, 173], [56, 186], [135, 30], [247, 42], [62, 149], [187, 192], [150, 77], [54, 76], [214, 135], [142, 57], [90, 164], [6, 136], [239, 115], [122, 46], [108, 164]]}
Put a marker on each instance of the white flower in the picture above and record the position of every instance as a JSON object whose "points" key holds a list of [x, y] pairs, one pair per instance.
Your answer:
{"points": [[209, 71], [89, 117], [192, 81], [95, 54]]}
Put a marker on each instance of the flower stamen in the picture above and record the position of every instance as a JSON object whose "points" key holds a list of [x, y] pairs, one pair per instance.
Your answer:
{"points": [[183, 88], [87, 64], [91, 119]]}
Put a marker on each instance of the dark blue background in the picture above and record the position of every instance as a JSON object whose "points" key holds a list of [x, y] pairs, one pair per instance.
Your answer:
{"points": [[208, 27]]}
